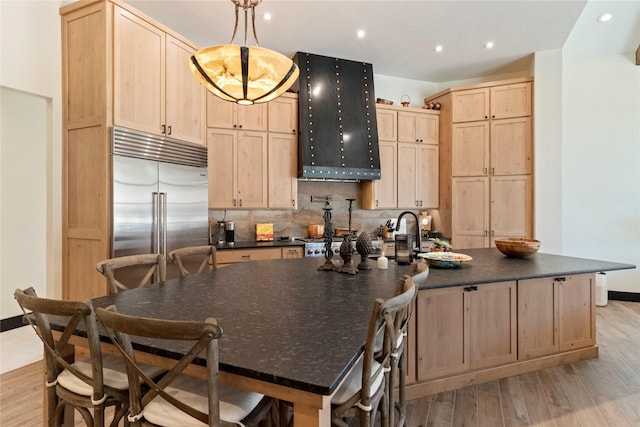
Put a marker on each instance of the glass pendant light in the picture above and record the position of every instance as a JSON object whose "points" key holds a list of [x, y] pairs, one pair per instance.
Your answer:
{"points": [[242, 74]]}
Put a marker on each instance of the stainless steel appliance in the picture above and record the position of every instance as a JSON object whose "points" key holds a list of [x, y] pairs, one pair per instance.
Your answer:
{"points": [[404, 248], [160, 196], [315, 247]]}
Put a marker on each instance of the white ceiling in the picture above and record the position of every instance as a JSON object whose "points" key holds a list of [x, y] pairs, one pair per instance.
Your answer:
{"points": [[401, 35]]}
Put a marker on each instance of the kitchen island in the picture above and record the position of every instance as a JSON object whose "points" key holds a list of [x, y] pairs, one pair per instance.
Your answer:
{"points": [[293, 332]]}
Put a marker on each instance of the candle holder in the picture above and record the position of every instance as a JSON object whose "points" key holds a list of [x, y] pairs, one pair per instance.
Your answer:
{"points": [[328, 240]]}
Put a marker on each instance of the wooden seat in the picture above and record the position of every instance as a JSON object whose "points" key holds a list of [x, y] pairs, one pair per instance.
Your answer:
{"points": [[368, 387], [208, 254], [177, 398], [155, 262], [90, 384]]}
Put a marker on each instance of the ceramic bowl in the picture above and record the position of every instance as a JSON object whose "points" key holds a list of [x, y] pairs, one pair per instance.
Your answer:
{"points": [[444, 259], [518, 247]]}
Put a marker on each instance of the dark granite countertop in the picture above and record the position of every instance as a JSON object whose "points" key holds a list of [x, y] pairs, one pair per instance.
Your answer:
{"points": [[254, 244], [490, 265], [286, 322]]}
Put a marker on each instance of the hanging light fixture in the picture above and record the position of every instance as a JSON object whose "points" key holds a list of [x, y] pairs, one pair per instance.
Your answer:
{"points": [[242, 74]]}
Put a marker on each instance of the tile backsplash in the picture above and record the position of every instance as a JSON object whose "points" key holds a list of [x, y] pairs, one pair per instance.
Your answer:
{"points": [[293, 223]]}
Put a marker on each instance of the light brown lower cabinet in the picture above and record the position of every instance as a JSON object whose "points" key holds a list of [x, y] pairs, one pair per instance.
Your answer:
{"points": [[465, 327], [233, 256], [471, 334], [555, 314]]}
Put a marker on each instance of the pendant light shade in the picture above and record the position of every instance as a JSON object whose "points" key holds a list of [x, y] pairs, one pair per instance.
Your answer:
{"points": [[242, 74]]}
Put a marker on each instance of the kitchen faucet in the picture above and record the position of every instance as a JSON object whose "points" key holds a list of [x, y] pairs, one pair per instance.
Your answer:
{"points": [[418, 234]]}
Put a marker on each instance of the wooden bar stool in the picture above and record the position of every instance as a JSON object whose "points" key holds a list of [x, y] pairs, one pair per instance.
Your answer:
{"points": [[155, 263]]}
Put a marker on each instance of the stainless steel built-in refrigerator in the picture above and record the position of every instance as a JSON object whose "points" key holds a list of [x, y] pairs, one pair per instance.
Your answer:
{"points": [[159, 197]]}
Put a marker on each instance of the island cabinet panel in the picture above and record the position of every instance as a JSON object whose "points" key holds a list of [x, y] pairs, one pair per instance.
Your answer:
{"points": [[555, 314], [465, 328], [576, 311], [537, 318], [492, 324], [442, 339]]}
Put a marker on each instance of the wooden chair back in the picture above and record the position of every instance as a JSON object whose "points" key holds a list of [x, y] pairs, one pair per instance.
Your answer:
{"points": [[206, 253], [203, 335], [391, 317], [155, 262], [57, 353]]}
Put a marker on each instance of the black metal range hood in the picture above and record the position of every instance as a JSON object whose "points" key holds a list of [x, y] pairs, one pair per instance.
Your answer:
{"points": [[338, 134]]}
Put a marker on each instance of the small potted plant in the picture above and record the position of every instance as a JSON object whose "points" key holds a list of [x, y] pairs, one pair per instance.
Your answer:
{"points": [[439, 245]]}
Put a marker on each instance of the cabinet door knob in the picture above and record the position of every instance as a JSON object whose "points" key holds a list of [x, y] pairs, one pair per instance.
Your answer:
{"points": [[169, 133], [164, 129]]}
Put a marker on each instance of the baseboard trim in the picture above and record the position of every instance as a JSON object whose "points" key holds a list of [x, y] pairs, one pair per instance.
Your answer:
{"points": [[624, 296], [11, 323]]}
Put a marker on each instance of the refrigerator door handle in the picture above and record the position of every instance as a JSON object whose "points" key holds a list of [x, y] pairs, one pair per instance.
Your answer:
{"points": [[163, 203], [156, 222]]}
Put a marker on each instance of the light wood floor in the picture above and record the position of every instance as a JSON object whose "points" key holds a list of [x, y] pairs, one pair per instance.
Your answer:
{"points": [[599, 392]]}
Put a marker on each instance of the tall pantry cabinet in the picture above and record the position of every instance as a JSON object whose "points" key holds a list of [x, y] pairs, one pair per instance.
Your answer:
{"points": [[486, 162], [119, 67]]}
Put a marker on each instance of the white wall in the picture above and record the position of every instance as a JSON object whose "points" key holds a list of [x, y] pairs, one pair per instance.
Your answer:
{"points": [[23, 195], [393, 88], [30, 73], [601, 163], [548, 150]]}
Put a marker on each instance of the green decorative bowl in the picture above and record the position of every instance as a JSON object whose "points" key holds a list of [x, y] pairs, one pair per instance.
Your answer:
{"points": [[444, 259]]}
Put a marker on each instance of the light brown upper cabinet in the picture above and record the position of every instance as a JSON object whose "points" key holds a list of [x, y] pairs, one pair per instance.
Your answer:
{"points": [[283, 114], [383, 193], [229, 115], [237, 169], [387, 120], [417, 127], [485, 209], [409, 153], [154, 90], [253, 154], [496, 147], [417, 176], [487, 103], [282, 169]]}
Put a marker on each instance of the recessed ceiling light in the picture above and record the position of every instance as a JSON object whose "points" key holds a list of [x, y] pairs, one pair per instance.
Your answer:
{"points": [[267, 16], [488, 45], [605, 17], [360, 34], [438, 48]]}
